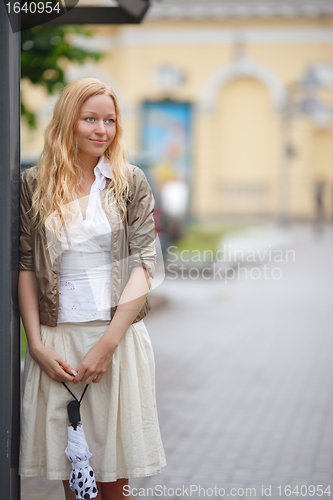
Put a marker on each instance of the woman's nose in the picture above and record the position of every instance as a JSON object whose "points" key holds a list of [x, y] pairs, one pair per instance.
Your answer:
{"points": [[100, 127]]}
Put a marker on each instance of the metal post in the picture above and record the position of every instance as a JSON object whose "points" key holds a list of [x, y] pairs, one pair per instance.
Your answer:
{"points": [[283, 182], [10, 355], [285, 160]]}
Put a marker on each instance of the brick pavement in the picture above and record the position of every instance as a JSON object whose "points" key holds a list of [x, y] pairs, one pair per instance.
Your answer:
{"points": [[244, 380]]}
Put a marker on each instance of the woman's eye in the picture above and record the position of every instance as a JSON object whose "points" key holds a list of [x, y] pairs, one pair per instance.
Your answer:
{"points": [[90, 119]]}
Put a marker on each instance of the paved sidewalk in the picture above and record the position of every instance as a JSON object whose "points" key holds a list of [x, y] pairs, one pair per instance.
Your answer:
{"points": [[244, 380]]}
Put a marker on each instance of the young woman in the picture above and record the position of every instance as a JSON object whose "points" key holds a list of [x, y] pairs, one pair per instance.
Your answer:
{"points": [[87, 260]]}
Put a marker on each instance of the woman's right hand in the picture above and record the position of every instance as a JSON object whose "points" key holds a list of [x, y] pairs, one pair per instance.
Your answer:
{"points": [[53, 364], [49, 361]]}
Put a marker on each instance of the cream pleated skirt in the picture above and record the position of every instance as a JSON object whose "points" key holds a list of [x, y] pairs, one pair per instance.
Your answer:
{"points": [[118, 414]]}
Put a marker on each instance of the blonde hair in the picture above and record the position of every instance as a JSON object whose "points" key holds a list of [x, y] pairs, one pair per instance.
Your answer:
{"points": [[59, 171]]}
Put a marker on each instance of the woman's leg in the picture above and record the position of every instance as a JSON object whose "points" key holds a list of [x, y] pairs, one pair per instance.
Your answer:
{"points": [[114, 490], [70, 495]]}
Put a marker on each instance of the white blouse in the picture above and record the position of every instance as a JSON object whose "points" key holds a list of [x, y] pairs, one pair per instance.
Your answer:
{"points": [[85, 275]]}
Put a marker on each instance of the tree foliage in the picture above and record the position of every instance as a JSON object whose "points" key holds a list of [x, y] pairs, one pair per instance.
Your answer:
{"points": [[45, 49]]}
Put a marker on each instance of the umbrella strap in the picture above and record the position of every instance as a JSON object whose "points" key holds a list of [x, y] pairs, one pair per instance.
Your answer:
{"points": [[84, 391], [80, 465]]}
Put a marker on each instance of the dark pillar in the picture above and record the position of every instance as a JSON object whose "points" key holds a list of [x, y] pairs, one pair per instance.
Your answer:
{"points": [[10, 356]]}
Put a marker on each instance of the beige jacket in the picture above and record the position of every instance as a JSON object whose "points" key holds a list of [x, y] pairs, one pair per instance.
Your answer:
{"points": [[132, 244]]}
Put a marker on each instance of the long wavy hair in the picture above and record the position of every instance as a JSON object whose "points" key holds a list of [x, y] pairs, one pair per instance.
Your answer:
{"points": [[59, 171]]}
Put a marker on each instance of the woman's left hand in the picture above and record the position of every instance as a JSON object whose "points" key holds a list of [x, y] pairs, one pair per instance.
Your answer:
{"points": [[94, 364]]}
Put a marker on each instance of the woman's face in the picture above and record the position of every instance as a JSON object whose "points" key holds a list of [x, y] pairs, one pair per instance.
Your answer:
{"points": [[96, 126]]}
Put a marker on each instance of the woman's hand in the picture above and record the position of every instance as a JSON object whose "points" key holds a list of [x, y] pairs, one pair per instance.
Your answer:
{"points": [[95, 363], [53, 365], [49, 361]]}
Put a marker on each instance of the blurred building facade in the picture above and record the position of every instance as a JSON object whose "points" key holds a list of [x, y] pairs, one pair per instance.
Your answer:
{"points": [[219, 94]]}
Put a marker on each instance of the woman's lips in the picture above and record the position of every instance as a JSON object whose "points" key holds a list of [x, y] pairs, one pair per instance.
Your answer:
{"points": [[97, 141]]}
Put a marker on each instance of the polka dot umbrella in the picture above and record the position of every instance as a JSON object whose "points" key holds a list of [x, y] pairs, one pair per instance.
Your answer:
{"points": [[82, 478]]}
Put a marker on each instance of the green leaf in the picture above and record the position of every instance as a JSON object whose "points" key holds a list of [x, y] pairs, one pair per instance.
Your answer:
{"points": [[42, 48]]}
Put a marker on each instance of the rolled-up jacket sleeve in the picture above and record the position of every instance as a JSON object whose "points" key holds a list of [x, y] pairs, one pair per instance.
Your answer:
{"points": [[141, 224], [26, 255]]}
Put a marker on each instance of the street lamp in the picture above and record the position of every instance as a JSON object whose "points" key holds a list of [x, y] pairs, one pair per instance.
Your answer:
{"points": [[120, 12], [317, 76]]}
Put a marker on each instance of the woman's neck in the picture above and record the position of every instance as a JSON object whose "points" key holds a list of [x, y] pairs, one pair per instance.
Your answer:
{"points": [[88, 163]]}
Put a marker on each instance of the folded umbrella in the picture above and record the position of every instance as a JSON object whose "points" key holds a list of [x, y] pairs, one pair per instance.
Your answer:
{"points": [[82, 478]]}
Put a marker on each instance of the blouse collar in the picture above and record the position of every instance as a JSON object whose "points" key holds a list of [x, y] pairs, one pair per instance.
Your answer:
{"points": [[103, 166], [102, 172]]}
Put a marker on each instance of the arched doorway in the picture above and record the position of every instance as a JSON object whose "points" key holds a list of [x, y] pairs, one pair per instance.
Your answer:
{"points": [[238, 130], [246, 135]]}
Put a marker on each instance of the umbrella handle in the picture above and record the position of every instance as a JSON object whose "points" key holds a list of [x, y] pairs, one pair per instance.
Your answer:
{"points": [[73, 408]]}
